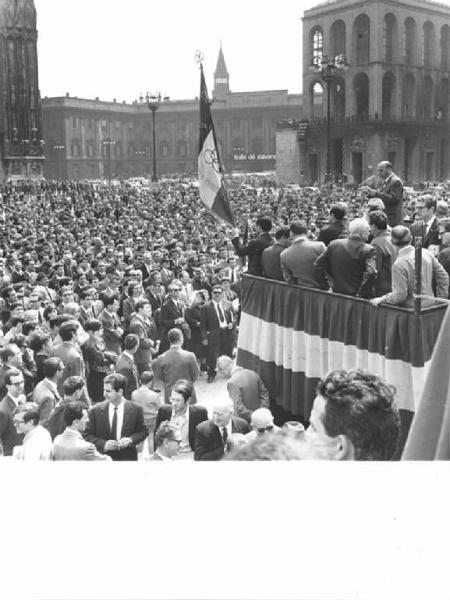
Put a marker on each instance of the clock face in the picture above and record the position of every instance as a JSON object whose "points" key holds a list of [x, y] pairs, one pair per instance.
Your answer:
{"points": [[221, 80]]}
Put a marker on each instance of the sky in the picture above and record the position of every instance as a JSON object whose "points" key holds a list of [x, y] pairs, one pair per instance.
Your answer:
{"points": [[116, 49]]}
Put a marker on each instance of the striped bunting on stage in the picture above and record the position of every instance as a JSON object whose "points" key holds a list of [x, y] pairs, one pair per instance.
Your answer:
{"points": [[294, 336]]}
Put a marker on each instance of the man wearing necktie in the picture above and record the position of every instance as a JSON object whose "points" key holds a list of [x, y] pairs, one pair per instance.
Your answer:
{"points": [[212, 435], [216, 329], [116, 426]]}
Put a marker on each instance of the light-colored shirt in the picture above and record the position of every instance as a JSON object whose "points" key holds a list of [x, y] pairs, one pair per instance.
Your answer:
{"points": [[119, 417], [37, 445], [181, 422], [222, 321]]}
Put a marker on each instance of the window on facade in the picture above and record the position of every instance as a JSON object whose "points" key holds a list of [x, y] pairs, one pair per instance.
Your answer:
{"points": [[317, 45], [409, 41], [164, 149], [428, 44], [181, 148], [131, 150], [75, 149], [389, 36], [118, 149], [74, 122], [90, 149], [148, 149]]}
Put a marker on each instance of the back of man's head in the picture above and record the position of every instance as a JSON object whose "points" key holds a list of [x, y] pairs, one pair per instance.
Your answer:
{"points": [[400, 236], [299, 227], [175, 336], [338, 210], [51, 366], [72, 384], [282, 233], [361, 407], [378, 219], [265, 223], [73, 412]]}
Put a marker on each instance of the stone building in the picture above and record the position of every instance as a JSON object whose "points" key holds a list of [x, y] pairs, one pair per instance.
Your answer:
{"points": [[20, 104], [391, 103], [95, 139]]}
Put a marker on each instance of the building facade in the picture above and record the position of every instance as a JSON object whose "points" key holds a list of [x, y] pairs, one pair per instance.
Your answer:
{"points": [[90, 139], [391, 103], [21, 143]]}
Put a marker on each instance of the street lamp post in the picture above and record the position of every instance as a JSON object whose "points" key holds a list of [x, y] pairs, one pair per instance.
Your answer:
{"points": [[327, 68], [153, 103]]}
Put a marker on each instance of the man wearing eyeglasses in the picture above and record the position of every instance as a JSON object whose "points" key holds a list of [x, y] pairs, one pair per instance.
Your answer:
{"points": [[167, 442], [9, 437], [262, 424]]}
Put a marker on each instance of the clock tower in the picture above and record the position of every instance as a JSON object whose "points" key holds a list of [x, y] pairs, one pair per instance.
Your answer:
{"points": [[221, 76]]}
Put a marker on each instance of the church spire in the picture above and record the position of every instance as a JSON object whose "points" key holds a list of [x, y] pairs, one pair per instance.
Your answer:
{"points": [[221, 76]]}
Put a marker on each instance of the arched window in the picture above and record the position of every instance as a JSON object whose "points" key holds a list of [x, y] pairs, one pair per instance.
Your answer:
{"points": [[317, 44], [361, 39], [131, 149], [388, 96], [338, 38], [389, 37], [410, 41], [90, 148], [409, 96], [428, 44], [361, 89], [442, 100], [428, 101], [118, 149]]}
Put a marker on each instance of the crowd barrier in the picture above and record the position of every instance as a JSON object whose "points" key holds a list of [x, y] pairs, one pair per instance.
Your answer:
{"points": [[293, 336]]}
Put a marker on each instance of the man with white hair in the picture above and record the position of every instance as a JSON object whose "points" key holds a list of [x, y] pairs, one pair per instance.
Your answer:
{"points": [[261, 423], [349, 263], [212, 435], [245, 387]]}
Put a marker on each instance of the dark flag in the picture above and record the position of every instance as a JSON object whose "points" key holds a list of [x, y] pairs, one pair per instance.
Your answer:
{"points": [[210, 173]]}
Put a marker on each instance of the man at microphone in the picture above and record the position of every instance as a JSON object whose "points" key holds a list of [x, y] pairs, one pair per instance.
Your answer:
{"points": [[391, 192]]}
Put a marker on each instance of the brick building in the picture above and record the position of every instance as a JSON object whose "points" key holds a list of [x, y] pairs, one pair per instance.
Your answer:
{"points": [[92, 138], [391, 103]]}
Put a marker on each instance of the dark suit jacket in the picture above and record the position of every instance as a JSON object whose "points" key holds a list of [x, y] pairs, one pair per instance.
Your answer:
{"points": [[297, 262], [333, 231], [433, 236], [147, 334], [208, 439], [8, 434], [127, 367], [197, 414], [209, 322], [350, 263], [169, 312], [391, 192], [112, 338], [270, 261], [98, 430], [386, 254], [253, 250]]}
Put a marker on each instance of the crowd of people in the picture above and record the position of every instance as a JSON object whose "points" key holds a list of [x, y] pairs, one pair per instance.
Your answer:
{"points": [[106, 289]]}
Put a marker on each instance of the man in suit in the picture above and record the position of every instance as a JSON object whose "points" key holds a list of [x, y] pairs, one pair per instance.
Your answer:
{"points": [[154, 291], [175, 364], [244, 386], [70, 444], [337, 226], [404, 274], [350, 263], [183, 415], [126, 366], [167, 442], [391, 192], [11, 358], [9, 437], [74, 390], [172, 315], [386, 251], [428, 226], [256, 246], [270, 259], [68, 352], [216, 330], [143, 326], [297, 261], [112, 330], [46, 394], [212, 435], [116, 426]]}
